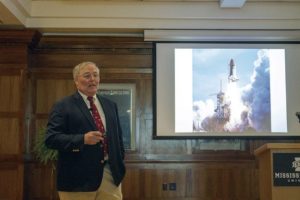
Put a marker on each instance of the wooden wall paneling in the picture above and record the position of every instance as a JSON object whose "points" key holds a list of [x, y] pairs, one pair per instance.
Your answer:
{"points": [[10, 114], [102, 60], [11, 181], [132, 184], [11, 132], [9, 137], [107, 52], [14, 53], [201, 181], [44, 177], [97, 42], [10, 92], [49, 91], [19, 37]]}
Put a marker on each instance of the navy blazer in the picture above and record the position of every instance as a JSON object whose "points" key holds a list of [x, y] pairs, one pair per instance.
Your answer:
{"points": [[79, 166]]}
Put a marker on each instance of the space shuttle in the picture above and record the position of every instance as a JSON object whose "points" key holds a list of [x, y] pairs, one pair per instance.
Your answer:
{"points": [[232, 72]]}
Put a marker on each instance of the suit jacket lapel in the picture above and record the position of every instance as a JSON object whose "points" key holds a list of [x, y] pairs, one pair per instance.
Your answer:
{"points": [[84, 109]]}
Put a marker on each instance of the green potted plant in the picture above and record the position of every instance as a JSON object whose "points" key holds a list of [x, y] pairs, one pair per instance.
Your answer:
{"points": [[46, 156], [42, 152]]}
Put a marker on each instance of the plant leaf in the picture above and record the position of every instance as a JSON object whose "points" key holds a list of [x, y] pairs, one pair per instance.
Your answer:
{"points": [[44, 154]]}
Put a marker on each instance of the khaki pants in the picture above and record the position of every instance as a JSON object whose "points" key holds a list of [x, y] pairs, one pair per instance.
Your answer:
{"points": [[107, 190]]}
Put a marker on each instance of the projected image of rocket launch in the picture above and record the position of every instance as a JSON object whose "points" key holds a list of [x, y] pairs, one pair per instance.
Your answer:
{"points": [[231, 93]]}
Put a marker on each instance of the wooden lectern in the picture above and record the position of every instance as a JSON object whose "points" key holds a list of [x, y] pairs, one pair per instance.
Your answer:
{"points": [[277, 182]]}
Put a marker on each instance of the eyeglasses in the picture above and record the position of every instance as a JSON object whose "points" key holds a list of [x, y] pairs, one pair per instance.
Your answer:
{"points": [[90, 76]]}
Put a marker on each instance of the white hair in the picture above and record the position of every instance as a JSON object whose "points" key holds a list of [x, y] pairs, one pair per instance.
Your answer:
{"points": [[80, 66]]}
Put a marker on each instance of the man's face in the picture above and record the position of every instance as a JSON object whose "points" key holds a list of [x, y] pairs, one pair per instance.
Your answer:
{"points": [[88, 80]]}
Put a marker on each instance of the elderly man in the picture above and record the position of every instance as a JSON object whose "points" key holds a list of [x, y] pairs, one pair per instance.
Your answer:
{"points": [[85, 129]]}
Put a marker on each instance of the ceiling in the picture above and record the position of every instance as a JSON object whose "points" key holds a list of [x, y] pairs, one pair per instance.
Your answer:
{"points": [[132, 17]]}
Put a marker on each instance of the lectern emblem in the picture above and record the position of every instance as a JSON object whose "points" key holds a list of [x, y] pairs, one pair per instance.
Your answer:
{"points": [[286, 169], [296, 164]]}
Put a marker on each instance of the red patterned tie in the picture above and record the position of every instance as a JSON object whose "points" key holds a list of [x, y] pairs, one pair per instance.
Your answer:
{"points": [[98, 122]]}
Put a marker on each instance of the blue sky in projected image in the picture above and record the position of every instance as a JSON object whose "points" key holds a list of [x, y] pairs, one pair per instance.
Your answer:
{"points": [[210, 66]]}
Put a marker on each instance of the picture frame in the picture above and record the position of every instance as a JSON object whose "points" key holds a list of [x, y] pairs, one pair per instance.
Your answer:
{"points": [[123, 94]]}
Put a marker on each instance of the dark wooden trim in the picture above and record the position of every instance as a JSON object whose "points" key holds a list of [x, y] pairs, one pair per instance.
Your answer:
{"points": [[16, 37]]}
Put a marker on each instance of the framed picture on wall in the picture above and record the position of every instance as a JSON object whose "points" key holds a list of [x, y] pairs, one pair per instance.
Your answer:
{"points": [[124, 96]]}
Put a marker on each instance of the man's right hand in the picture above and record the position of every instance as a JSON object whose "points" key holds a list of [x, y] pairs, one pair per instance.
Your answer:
{"points": [[93, 137]]}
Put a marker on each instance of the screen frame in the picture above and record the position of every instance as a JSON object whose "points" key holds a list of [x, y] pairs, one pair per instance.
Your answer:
{"points": [[156, 135]]}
